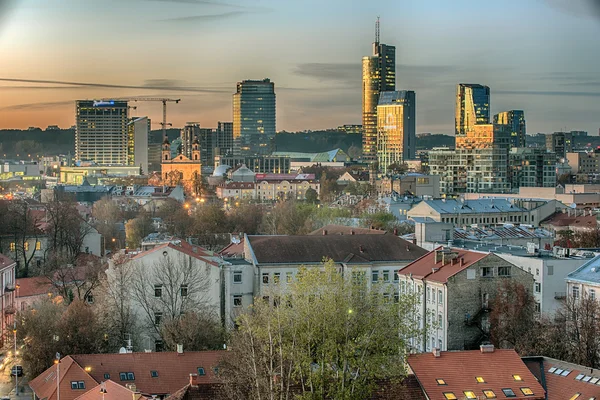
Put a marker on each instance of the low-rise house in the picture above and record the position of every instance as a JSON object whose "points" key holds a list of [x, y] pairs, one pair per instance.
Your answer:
{"points": [[32, 290], [109, 390], [487, 373], [455, 291], [571, 220], [585, 280], [150, 374], [7, 294]]}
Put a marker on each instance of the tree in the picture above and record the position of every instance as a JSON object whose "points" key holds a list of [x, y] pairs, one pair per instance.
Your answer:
{"points": [[246, 218], [75, 281], [311, 196], [566, 238], [288, 218], [210, 219], [137, 229], [196, 331], [327, 336], [588, 238], [22, 227], [107, 214], [380, 220]]}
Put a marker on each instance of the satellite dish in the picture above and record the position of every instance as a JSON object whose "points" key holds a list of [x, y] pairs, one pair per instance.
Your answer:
{"points": [[573, 205], [122, 350]]}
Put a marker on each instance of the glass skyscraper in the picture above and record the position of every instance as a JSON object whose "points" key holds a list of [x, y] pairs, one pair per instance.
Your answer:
{"points": [[514, 120], [254, 117], [378, 75], [396, 128], [101, 132], [472, 107]]}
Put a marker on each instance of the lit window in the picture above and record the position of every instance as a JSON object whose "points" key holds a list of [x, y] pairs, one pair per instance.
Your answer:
{"points": [[26, 246], [576, 395], [480, 379], [489, 394], [508, 392], [527, 391], [440, 381], [517, 377], [12, 246], [449, 396], [38, 245], [470, 394]]}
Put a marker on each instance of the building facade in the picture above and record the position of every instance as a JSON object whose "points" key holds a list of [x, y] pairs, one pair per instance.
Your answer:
{"points": [[515, 120], [259, 164], [254, 117], [138, 131], [7, 294], [472, 107], [182, 170], [560, 143], [101, 132], [396, 128], [531, 167], [223, 145]]}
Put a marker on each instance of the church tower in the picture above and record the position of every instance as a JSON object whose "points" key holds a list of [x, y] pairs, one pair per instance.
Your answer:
{"points": [[196, 149], [166, 150]]}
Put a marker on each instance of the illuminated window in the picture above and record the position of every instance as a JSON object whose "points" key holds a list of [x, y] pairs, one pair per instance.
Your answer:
{"points": [[527, 391], [469, 394], [38, 245], [440, 381], [517, 377], [576, 395], [480, 379], [449, 396], [489, 394], [26, 246], [12, 246]]}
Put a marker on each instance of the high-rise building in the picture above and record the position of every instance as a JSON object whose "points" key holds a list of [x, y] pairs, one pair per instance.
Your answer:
{"points": [[560, 143], [101, 132], [224, 139], [472, 107], [138, 130], [531, 168], [396, 128], [254, 117], [515, 122], [191, 133], [378, 75]]}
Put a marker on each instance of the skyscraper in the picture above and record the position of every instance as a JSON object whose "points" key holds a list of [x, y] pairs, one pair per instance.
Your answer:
{"points": [[138, 131], [254, 117], [378, 75], [396, 130], [224, 139], [192, 133], [472, 107], [514, 120], [101, 132]]}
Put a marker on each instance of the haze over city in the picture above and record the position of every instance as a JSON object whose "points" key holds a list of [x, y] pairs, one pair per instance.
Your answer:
{"points": [[540, 56]]}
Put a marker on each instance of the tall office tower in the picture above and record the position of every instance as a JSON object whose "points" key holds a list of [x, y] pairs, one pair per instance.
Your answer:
{"points": [[254, 117], [396, 130], [138, 130], [188, 134], [101, 132], [514, 120], [378, 75], [206, 141], [224, 139], [472, 107], [192, 132]]}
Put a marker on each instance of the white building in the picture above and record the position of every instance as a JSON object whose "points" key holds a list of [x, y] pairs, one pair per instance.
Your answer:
{"points": [[585, 280], [7, 293]]}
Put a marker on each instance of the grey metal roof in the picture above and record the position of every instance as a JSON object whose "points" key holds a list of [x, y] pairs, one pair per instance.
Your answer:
{"points": [[479, 206], [588, 272]]}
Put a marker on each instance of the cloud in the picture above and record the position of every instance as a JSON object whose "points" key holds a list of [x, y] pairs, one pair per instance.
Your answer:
{"points": [[37, 106], [547, 93], [5, 7], [577, 8], [147, 85], [199, 3], [205, 18]]}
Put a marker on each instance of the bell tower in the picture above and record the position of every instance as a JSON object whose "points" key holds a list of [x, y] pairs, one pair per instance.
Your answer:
{"points": [[166, 150], [196, 149]]}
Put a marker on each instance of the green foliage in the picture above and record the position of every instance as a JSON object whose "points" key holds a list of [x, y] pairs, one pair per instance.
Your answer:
{"points": [[137, 229], [311, 196], [327, 336], [380, 220], [195, 331]]}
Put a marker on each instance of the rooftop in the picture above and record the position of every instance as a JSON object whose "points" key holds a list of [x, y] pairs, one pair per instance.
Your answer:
{"points": [[185, 248], [479, 206], [434, 267], [565, 219], [564, 380], [113, 391], [346, 230], [587, 273], [35, 286], [476, 374]]}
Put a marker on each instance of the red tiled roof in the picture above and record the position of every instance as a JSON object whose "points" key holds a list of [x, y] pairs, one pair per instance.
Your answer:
{"points": [[114, 391], [459, 370], [5, 261], [173, 369], [233, 249], [35, 286], [565, 387], [346, 230], [44, 385], [423, 267], [564, 219], [185, 248]]}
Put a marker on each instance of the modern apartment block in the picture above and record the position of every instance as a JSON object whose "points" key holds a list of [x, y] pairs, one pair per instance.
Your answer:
{"points": [[515, 120], [531, 168], [560, 143], [205, 136], [396, 128], [138, 131], [101, 132], [254, 117]]}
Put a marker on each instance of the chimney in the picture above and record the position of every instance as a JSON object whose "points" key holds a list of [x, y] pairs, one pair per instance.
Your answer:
{"points": [[436, 352], [132, 387], [462, 261], [324, 232], [434, 270], [487, 348], [194, 380], [414, 241], [361, 249], [179, 349], [352, 231]]}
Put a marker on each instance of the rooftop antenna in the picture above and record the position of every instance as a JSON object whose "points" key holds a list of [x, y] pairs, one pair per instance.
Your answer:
{"points": [[377, 31]]}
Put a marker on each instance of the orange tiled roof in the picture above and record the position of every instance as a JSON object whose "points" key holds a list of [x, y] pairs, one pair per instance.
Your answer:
{"points": [[114, 391], [423, 267], [34, 286], [44, 385], [460, 369], [564, 380]]}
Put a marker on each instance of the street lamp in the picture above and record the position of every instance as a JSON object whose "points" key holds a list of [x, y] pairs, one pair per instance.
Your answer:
{"points": [[57, 362], [15, 365]]}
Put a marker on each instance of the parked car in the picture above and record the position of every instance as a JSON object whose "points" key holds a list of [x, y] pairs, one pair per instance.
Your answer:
{"points": [[16, 370]]}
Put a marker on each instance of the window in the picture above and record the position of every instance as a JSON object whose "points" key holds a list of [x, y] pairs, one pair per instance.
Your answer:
{"points": [[106, 376], [396, 277], [237, 300], [158, 345], [157, 318], [550, 269], [576, 395], [429, 295], [237, 277], [576, 292], [123, 376], [12, 246], [440, 321], [288, 277], [537, 271], [265, 277], [593, 294], [449, 396], [432, 342], [26, 246], [396, 297], [469, 394], [538, 287], [73, 385], [440, 344], [158, 290], [154, 374], [386, 276], [184, 290], [527, 391], [489, 394], [375, 276], [276, 277], [130, 376], [517, 378], [440, 382], [403, 287], [480, 379], [201, 371], [538, 307], [487, 272], [440, 297], [266, 299], [38, 245], [508, 392], [503, 271]]}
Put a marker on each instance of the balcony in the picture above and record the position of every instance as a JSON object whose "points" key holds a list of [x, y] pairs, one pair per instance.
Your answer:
{"points": [[10, 310], [10, 287], [560, 295]]}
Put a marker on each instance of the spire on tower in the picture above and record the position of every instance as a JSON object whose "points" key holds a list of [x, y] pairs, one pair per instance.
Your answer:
{"points": [[377, 31]]}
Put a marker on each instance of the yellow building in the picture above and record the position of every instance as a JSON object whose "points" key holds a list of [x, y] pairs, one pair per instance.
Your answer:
{"points": [[182, 170]]}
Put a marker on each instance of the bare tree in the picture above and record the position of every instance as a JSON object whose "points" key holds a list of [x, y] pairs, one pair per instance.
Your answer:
{"points": [[23, 227], [75, 281]]}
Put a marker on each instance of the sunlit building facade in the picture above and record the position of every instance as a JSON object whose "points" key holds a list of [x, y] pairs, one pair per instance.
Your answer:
{"points": [[254, 117], [138, 131], [515, 122], [101, 132], [396, 128], [472, 107]]}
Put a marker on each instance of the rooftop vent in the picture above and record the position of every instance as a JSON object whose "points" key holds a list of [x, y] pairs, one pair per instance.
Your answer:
{"points": [[487, 348], [436, 352]]}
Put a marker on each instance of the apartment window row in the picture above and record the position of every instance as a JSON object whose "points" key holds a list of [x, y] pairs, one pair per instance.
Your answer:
{"points": [[13, 246], [276, 277], [385, 276], [183, 290], [486, 220], [490, 272]]}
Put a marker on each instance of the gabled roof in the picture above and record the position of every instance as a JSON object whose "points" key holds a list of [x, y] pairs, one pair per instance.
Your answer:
{"points": [[588, 272], [563, 380], [479, 206], [346, 230], [6, 262], [114, 391], [35, 286], [564, 219], [185, 248], [340, 248], [44, 385], [172, 369], [459, 371], [423, 267]]}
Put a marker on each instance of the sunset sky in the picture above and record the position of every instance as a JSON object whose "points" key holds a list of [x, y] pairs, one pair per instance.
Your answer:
{"points": [[542, 56]]}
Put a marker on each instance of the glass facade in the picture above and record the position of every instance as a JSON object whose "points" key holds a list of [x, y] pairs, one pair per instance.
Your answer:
{"points": [[514, 120], [101, 133], [138, 131], [472, 107], [396, 130], [254, 117], [224, 139]]}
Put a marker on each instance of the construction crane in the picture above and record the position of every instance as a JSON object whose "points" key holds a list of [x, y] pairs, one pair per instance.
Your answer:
{"points": [[163, 101]]}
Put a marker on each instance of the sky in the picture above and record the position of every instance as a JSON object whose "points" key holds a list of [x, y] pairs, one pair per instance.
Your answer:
{"points": [[541, 56]]}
